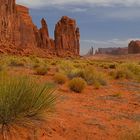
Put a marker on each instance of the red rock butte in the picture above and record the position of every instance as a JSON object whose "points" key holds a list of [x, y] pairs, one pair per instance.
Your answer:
{"points": [[134, 47], [19, 35]]}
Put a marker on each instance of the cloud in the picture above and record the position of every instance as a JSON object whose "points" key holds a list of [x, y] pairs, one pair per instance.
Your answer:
{"points": [[43, 3], [124, 13], [79, 10]]}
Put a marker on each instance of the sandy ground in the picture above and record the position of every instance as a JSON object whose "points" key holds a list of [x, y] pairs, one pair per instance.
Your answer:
{"points": [[101, 114]]}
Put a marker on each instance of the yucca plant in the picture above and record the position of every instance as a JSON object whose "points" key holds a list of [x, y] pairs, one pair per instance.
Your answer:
{"points": [[24, 102]]}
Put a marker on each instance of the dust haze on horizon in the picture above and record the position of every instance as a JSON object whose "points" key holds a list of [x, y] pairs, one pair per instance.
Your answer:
{"points": [[103, 23]]}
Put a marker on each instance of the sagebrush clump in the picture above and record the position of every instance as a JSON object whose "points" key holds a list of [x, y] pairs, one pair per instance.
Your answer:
{"points": [[41, 70], [127, 71], [77, 85], [17, 62], [60, 78], [91, 76], [66, 67]]}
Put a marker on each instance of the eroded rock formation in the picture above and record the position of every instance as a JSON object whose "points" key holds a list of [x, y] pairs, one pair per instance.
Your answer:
{"points": [[112, 51], [134, 47], [19, 35], [67, 37], [16, 25]]}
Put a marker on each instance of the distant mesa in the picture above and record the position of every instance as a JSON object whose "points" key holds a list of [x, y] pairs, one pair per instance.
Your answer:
{"points": [[19, 35], [112, 51], [134, 47]]}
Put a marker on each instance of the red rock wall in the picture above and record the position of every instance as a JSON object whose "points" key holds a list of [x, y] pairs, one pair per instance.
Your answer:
{"points": [[18, 33], [44, 34], [67, 37], [134, 47], [16, 26]]}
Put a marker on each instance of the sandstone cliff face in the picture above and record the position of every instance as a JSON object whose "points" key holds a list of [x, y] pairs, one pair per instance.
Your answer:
{"points": [[18, 34], [67, 37], [134, 47], [16, 26], [46, 41], [7, 15], [26, 28]]}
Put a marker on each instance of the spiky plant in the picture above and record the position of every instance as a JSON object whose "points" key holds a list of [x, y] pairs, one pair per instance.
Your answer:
{"points": [[23, 102]]}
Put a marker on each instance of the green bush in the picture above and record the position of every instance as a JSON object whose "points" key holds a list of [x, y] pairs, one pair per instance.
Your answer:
{"points": [[17, 62], [112, 66], [127, 71], [97, 85], [24, 102], [60, 78], [41, 70], [66, 67], [134, 68], [77, 85], [91, 76], [36, 65], [121, 73], [34, 59], [74, 73]]}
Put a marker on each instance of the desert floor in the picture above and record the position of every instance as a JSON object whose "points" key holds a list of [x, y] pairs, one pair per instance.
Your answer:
{"points": [[95, 114]]}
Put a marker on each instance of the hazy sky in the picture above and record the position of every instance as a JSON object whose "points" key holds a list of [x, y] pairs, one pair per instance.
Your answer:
{"points": [[103, 23]]}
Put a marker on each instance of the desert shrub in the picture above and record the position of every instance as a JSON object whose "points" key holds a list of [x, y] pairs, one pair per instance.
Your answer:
{"points": [[122, 72], [112, 66], [100, 78], [66, 67], [134, 68], [34, 59], [23, 102], [36, 65], [37, 62], [41, 70], [104, 65], [97, 85], [128, 71], [91, 76], [74, 73], [16, 62], [77, 85], [54, 62], [1, 68], [60, 78]]}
